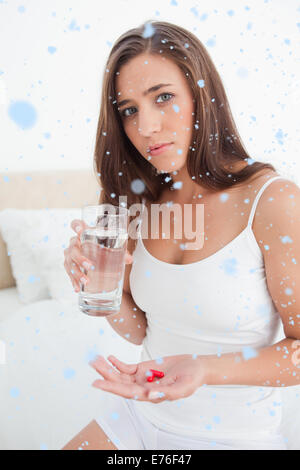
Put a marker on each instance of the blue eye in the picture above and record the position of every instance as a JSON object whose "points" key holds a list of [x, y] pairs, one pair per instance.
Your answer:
{"points": [[126, 115], [164, 101], [164, 94]]}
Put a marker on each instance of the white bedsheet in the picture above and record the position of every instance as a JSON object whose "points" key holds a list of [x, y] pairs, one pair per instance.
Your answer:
{"points": [[46, 393], [45, 385]]}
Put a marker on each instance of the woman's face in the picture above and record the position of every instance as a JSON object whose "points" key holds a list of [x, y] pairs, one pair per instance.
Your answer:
{"points": [[159, 116]]}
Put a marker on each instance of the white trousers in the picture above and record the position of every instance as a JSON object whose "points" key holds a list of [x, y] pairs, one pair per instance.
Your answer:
{"points": [[129, 430]]}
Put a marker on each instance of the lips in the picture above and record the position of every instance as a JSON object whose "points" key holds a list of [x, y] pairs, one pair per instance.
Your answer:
{"points": [[161, 149], [154, 147]]}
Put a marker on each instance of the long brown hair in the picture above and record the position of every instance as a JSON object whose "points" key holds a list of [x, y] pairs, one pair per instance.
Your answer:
{"points": [[215, 143]]}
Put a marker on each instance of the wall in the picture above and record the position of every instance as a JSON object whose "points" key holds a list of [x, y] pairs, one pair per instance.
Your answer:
{"points": [[54, 56]]}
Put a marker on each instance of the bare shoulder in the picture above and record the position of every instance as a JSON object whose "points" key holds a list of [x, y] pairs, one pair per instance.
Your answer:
{"points": [[257, 181], [278, 207], [260, 177], [279, 194]]}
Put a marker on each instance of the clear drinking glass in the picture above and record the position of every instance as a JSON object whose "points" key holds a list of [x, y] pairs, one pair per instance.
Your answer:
{"points": [[104, 243]]}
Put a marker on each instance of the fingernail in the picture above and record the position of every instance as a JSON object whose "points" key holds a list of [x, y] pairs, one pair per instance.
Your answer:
{"points": [[83, 280], [86, 265], [77, 228]]}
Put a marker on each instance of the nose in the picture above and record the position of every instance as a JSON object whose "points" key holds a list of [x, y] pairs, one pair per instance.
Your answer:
{"points": [[149, 122]]}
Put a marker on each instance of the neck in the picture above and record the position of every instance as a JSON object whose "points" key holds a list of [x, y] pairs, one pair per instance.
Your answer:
{"points": [[185, 189]]}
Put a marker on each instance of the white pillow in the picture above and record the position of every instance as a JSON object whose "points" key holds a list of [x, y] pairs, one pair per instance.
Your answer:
{"points": [[51, 267], [50, 258], [35, 242]]}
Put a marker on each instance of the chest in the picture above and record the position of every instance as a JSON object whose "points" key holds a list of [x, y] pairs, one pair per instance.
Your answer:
{"points": [[185, 234]]}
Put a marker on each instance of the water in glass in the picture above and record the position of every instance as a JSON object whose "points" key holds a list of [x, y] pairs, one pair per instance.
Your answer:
{"points": [[106, 248]]}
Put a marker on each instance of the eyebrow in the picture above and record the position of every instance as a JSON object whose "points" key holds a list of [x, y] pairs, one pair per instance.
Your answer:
{"points": [[150, 90]]}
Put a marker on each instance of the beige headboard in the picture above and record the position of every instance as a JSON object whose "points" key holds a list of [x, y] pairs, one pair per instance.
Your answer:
{"points": [[38, 190]]}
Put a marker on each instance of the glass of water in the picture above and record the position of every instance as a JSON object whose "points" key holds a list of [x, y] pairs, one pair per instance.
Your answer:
{"points": [[104, 243]]}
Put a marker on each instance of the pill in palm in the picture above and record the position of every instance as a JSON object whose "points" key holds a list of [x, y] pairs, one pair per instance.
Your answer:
{"points": [[157, 373]]}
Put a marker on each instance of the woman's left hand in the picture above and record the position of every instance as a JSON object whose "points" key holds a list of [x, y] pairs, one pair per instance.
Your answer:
{"points": [[183, 374]]}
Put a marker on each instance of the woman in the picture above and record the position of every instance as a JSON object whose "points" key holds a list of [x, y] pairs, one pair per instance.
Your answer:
{"points": [[206, 317]]}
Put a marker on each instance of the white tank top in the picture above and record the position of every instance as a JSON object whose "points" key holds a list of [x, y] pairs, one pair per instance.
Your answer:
{"points": [[217, 305]]}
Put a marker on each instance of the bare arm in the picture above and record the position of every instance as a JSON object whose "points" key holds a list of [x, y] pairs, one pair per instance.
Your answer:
{"points": [[130, 322], [278, 231]]}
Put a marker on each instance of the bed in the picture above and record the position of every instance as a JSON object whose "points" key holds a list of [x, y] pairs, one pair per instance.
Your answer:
{"points": [[45, 341]]}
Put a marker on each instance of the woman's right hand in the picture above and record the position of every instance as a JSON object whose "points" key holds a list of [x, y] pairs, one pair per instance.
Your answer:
{"points": [[74, 259]]}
